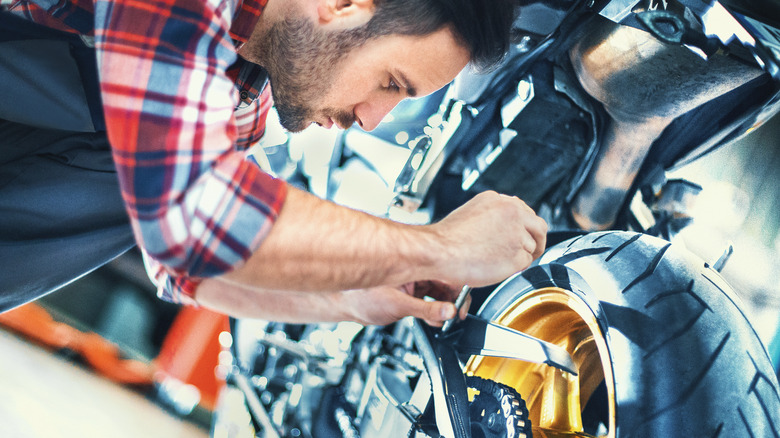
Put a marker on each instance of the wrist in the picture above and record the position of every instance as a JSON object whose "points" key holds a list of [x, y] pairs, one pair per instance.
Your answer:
{"points": [[422, 252], [438, 254]]}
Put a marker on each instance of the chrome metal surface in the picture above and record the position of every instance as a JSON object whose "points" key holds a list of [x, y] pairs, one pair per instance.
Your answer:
{"points": [[256, 407], [459, 301], [386, 391], [437, 153], [484, 338], [405, 179]]}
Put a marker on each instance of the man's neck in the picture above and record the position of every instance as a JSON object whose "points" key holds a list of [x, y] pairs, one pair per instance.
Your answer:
{"points": [[274, 11]]}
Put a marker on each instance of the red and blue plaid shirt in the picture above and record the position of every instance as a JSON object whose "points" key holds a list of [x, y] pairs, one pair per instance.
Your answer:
{"points": [[181, 108]]}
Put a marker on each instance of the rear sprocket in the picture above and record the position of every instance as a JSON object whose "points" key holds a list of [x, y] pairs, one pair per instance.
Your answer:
{"points": [[497, 410]]}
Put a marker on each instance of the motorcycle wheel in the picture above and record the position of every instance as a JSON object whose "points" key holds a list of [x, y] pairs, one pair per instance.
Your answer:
{"points": [[661, 344]]}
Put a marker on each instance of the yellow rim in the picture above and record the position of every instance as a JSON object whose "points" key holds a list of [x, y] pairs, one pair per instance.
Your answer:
{"points": [[555, 399]]}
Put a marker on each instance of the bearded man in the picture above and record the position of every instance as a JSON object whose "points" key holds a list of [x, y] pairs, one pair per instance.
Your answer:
{"points": [[158, 100]]}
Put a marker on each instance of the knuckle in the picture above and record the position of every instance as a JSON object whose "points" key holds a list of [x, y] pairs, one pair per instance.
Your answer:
{"points": [[432, 312], [525, 259]]}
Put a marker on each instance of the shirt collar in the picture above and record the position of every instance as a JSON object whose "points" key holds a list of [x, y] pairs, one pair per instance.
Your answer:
{"points": [[249, 12]]}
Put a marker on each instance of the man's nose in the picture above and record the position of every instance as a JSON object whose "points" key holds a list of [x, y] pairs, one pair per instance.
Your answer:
{"points": [[370, 114]]}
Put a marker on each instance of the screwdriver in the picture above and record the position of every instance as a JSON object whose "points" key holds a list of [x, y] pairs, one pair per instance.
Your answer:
{"points": [[459, 302]]}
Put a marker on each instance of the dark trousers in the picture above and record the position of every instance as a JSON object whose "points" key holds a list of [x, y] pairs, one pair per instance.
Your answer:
{"points": [[61, 213]]}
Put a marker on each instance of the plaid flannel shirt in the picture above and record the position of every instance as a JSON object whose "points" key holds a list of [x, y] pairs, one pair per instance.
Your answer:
{"points": [[181, 108]]}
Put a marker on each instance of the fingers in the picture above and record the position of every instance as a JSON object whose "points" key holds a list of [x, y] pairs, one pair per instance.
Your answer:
{"points": [[384, 305], [489, 238], [445, 311], [435, 289], [536, 240], [444, 294], [434, 313]]}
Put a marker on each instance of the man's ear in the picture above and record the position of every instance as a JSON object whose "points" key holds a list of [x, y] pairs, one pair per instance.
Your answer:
{"points": [[345, 14]]}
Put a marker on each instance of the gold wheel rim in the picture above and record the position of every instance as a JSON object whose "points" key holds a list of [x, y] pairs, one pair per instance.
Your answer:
{"points": [[554, 398]]}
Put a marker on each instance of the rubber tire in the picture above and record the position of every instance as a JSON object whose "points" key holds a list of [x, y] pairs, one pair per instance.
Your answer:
{"points": [[685, 358]]}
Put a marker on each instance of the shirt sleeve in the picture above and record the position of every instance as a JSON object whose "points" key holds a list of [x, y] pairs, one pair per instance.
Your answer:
{"points": [[197, 207]]}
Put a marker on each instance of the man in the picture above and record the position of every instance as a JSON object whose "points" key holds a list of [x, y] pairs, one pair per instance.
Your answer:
{"points": [[180, 102]]}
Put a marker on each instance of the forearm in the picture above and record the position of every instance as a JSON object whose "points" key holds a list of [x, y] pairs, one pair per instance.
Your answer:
{"points": [[374, 306], [242, 301], [316, 245]]}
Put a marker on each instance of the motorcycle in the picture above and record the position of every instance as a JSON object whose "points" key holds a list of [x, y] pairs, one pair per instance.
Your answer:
{"points": [[615, 331]]}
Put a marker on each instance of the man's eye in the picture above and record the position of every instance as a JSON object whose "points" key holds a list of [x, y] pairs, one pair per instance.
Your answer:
{"points": [[392, 86]]}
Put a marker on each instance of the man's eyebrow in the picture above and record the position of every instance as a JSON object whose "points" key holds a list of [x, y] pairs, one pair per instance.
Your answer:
{"points": [[410, 89]]}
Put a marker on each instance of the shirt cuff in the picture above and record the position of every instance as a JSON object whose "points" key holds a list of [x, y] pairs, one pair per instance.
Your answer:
{"points": [[179, 290]]}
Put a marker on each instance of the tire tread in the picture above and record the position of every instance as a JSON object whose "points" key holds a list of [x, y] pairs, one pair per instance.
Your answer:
{"points": [[651, 267]]}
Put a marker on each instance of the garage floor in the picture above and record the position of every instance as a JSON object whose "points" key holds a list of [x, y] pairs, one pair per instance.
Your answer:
{"points": [[42, 395]]}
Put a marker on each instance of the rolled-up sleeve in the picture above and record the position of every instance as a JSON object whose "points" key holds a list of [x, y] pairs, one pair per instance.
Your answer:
{"points": [[198, 208]]}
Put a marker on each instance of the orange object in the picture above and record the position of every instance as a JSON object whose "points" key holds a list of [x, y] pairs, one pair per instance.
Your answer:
{"points": [[34, 322], [190, 352]]}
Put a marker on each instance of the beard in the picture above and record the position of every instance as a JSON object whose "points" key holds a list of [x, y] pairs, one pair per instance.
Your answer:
{"points": [[302, 62]]}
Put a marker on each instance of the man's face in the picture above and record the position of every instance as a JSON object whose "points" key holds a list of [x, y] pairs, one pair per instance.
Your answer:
{"points": [[333, 77]]}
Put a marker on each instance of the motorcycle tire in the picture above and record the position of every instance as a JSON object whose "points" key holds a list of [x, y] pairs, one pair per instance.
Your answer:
{"points": [[662, 345]]}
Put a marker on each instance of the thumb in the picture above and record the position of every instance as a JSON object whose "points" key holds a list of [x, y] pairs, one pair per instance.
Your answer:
{"points": [[432, 312]]}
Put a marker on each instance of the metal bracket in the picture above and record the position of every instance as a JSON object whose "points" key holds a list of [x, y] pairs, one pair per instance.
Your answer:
{"points": [[416, 157], [448, 384], [407, 197], [484, 338], [426, 159], [673, 29]]}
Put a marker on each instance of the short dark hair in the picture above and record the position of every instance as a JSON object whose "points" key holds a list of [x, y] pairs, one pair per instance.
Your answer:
{"points": [[483, 26]]}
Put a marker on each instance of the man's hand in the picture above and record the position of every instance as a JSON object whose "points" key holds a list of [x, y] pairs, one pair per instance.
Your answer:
{"points": [[384, 304], [489, 238]]}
